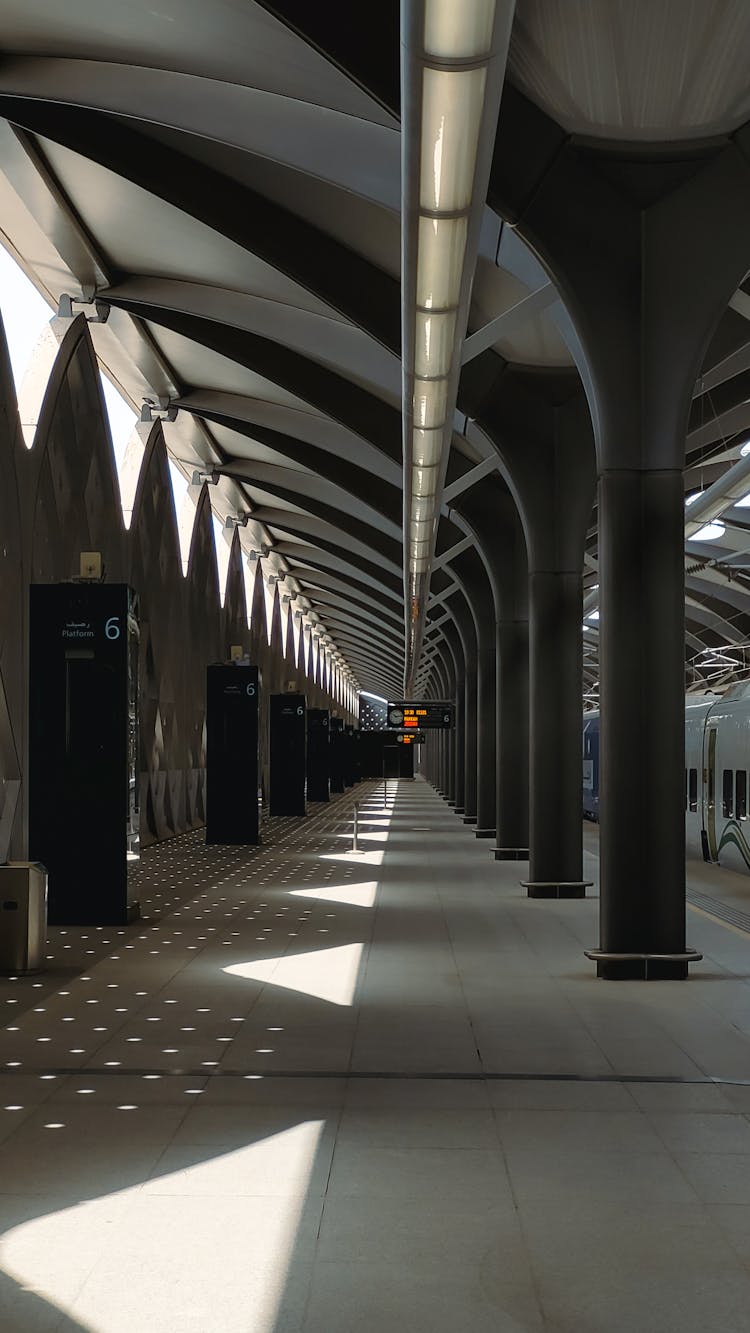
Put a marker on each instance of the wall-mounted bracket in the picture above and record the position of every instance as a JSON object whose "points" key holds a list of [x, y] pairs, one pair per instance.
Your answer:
{"points": [[65, 307], [158, 409]]}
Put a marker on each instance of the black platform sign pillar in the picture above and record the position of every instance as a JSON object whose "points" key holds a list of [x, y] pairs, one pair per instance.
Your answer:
{"points": [[288, 754], [350, 757], [337, 754], [318, 754], [232, 754], [356, 756], [407, 749], [83, 749]]}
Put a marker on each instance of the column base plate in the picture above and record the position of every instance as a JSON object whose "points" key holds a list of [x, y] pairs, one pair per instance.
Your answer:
{"points": [[484, 833], [470, 819], [642, 966], [547, 888], [511, 853]]}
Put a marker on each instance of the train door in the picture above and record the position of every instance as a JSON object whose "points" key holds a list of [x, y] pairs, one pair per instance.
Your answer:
{"points": [[711, 850]]}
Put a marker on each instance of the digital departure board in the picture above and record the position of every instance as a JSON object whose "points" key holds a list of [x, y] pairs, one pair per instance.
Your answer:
{"points": [[420, 715]]}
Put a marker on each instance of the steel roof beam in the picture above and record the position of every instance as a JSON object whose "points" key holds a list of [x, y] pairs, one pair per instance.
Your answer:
{"points": [[337, 274]]}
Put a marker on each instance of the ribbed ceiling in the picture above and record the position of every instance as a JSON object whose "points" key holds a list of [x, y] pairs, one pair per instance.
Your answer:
{"points": [[635, 69], [228, 177]]}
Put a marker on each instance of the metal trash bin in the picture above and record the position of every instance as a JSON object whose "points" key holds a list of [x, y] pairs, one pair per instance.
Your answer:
{"points": [[23, 917]]}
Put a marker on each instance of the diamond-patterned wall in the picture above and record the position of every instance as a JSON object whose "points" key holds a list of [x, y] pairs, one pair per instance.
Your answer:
{"points": [[62, 497], [166, 791]]}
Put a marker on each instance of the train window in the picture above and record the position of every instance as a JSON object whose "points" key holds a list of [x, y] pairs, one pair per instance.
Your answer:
{"points": [[740, 802], [693, 789], [727, 793]]}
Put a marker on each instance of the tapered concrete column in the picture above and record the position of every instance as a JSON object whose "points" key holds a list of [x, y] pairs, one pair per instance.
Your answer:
{"points": [[641, 315], [513, 740], [467, 633], [470, 747], [556, 667], [642, 518], [438, 749], [486, 730], [449, 761], [471, 576], [453, 640], [445, 689], [460, 749], [451, 748], [431, 761], [546, 449], [449, 736], [488, 513], [428, 761]]}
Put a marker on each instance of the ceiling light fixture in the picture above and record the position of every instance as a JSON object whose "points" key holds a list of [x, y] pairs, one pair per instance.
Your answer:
{"points": [[453, 58]]}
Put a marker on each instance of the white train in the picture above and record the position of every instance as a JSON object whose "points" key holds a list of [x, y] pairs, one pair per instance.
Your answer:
{"points": [[717, 759]]}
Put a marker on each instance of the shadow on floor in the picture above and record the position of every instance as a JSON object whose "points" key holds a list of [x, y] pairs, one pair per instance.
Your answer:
{"points": [[194, 1211]]}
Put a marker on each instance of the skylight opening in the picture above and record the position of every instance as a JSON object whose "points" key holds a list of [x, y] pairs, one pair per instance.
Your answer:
{"points": [[25, 313], [223, 550], [179, 486], [709, 533], [248, 574], [285, 636], [295, 626], [268, 600], [121, 417]]}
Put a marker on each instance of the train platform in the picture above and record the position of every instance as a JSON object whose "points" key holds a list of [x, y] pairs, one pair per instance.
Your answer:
{"points": [[318, 1091]]}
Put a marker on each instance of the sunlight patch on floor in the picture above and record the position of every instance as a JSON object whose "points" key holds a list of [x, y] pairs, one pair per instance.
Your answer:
{"points": [[355, 895], [236, 1213], [327, 974], [370, 857], [378, 836]]}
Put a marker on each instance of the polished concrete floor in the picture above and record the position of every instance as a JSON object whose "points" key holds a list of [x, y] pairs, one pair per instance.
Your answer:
{"points": [[323, 1092]]}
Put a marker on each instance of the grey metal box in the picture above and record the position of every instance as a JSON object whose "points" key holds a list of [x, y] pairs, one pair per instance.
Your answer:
{"points": [[23, 916]]}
